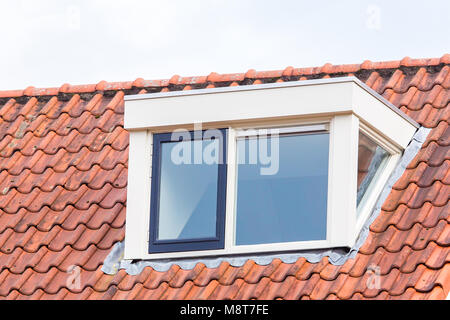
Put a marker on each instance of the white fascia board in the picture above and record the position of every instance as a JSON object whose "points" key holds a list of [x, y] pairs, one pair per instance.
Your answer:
{"points": [[297, 99], [228, 107], [385, 120]]}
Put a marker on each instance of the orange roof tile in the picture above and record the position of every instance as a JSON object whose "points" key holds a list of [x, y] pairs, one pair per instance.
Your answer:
{"points": [[63, 176]]}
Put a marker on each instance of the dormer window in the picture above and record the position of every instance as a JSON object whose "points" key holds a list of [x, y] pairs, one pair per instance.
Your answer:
{"points": [[253, 169]]}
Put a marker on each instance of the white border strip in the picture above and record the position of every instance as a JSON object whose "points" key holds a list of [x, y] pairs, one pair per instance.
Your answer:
{"points": [[275, 85]]}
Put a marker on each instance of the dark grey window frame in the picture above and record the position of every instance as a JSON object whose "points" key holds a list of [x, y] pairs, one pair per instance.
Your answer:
{"points": [[161, 246]]}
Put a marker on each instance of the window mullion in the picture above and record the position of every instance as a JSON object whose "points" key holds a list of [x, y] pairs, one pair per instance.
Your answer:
{"points": [[231, 190]]}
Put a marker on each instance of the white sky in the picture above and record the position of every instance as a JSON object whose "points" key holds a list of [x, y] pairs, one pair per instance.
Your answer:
{"points": [[47, 43]]}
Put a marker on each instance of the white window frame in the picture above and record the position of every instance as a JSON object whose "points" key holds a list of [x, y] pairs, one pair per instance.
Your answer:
{"points": [[230, 222], [343, 110]]}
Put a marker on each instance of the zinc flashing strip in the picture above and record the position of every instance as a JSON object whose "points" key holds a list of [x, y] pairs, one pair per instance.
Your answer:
{"points": [[337, 256]]}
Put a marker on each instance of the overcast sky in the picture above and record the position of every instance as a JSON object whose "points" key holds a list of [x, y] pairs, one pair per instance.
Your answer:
{"points": [[47, 43]]}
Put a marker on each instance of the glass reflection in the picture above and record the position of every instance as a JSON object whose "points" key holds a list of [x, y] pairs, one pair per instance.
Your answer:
{"points": [[290, 205], [188, 193], [371, 160]]}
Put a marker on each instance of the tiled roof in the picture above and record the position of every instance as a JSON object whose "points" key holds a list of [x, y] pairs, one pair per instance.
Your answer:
{"points": [[63, 177]]}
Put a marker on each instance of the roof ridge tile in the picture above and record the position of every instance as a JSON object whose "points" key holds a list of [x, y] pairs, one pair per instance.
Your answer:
{"points": [[251, 73]]}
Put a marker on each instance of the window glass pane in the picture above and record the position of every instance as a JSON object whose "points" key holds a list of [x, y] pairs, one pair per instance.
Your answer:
{"points": [[188, 193], [371, 161], [289, 204]]}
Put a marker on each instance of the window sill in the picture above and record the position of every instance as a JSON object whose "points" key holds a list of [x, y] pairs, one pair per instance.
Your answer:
{"points": [[245, 250], [114, 261]]}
